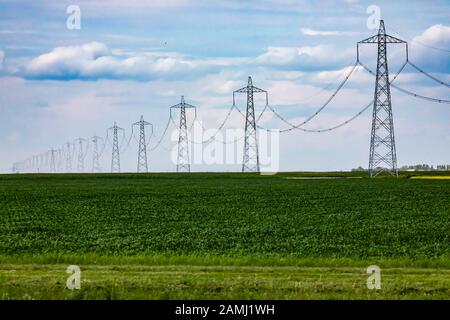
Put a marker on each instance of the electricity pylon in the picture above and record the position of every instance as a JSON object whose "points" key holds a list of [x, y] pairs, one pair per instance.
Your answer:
{"points": [[81, 154], [60, 167], [183, 163], [68, 148], [115, 158], [41, 163], [142, 165], [95, 156], [250, 162], [35, 164], [52, 154], [382, 140]]}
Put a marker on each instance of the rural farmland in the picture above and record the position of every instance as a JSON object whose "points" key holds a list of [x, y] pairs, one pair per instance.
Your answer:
{"points": [[191, 236]]}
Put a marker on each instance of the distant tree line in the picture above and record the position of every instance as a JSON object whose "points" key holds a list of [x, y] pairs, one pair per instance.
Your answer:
{"points": [[416, 167]]}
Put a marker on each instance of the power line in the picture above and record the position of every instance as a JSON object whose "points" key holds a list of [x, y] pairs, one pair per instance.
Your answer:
{"points": [[162, 136], [321, 108], [416, 95], [340, 124], [412, 41], [428, 75]]}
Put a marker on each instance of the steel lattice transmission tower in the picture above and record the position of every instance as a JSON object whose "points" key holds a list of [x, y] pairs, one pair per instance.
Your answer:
{"points": [[52, 153], [60, 167], [183, 163], [251, 156], [68, 148], [115, 158], [95, 155], [383, 155], [142, 165], [81, 154]]}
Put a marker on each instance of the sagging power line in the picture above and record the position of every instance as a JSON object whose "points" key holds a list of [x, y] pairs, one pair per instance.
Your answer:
{"points": [[382, 155]]}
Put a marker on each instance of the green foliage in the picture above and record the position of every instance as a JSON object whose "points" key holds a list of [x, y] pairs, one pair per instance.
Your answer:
{"points": [[224, 214], [220, 282]]}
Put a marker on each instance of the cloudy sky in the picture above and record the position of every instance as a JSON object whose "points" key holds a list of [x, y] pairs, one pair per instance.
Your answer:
{"points": [[138, 57]]}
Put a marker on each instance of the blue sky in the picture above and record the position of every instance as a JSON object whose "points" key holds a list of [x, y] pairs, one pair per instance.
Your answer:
{"points": [[138, 57]]}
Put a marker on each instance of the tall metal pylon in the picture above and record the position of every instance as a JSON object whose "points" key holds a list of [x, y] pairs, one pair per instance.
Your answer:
{"points": [[41, 162], [142, 165], [183, 162], [383, 156], [81, 154], [250, 161], [115, 158], [60, 167], [95, 155], [68, 148], [35, 164], [52, 154]]}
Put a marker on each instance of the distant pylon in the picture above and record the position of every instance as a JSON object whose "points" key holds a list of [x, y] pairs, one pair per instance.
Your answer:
{"points": [[52, 154], [68, 148], [142, 165], [115, 158], [383, 156], [41, 163], [47, 162], [95, 156], [183, 162], [250, 161], [60, 167], [81, 154], [35, 164]]}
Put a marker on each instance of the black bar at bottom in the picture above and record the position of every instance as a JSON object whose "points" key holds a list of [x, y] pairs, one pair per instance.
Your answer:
{"points": [[222, 309]]}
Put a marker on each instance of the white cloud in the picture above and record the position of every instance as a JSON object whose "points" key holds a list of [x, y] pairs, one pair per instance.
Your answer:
{"points": [[140, 4], [430, 48], [94, 61], [313, 33], [308, 57], [435, 35], [359, 75]]}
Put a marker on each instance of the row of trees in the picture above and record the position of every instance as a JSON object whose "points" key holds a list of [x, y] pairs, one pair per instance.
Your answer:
{"points": [[417, 167], [427, 167]]}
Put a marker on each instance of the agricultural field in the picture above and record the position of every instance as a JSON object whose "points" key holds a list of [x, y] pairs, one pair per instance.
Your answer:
{"points": [[221, 236]]}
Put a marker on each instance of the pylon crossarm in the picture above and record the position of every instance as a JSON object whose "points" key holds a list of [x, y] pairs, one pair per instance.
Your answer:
{"points": [[392, 39], [115, 127], [183, 104], [187, 105], [256, 89], [139, 122], [176, 107], [241, 90], [373, 39]]}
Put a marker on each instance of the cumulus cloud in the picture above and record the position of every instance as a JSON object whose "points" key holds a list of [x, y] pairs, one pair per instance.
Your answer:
{"points": [[437, 34], [308, 57], [95, 60], [139, 3], [313, 33], [431, 48]]}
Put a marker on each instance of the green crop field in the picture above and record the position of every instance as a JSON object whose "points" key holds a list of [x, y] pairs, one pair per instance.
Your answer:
{"points": [[287, 236]]}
